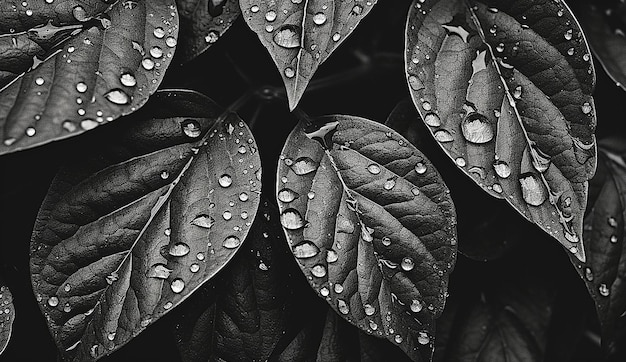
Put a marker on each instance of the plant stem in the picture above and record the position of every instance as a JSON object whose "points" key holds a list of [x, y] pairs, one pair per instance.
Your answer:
{"points": [[255, 116]]}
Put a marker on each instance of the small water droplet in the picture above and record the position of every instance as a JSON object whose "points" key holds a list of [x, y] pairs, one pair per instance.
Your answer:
{"points": [[111, 336], [177, 285], [81, 87], [179, 249], [386, 241], [305, 250], [612, 222], [374, 169], [159, 32], [613, 239], [231, 242], [416, 306], [443, 136], [287, 195], [517, 92], [568, 34], [319, 18], [159, 271], [324, 292], [227, 215], [588, 274], [288, 36], [147, 64], [200, 256], [167, 305], [331, 256], [117, 96], [128, 80], [80, 14], [165, 175], [338, 288], [39, 81], [203, 221], [398, 338], [432, 119], [407, 264], [342, 306], [318, 271], [502, 169], [460, 161], [53, 301], [171, 41], [270, 15], [304, 166], [194, 268], [369, 309], [289, 72], [423, 338], [533, 190], [389, 184], [225, 180], [604, 290]]}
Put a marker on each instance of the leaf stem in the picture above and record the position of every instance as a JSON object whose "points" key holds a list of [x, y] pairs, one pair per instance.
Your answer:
{"points": [[302, 116], [255, 116]]}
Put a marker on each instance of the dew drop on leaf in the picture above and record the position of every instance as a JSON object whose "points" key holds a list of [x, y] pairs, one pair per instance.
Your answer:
{"points": [[177, 285], [443, 136], [416, 306], [369, 310], [225, 180], [407, 264], [477, 129], [304, 166], [374, 169], [287, 36], [420, 168], [191, 128], [423, 338], [287, 195], [179, 249], [318, 271], [117, 96], [203, 221], [159, 271], [305, 250], [319, 18], [604, 290], [502, 169], [128, 80], [432, 119], [342, 306], [533, 191], [53, 301], [231, 242]]}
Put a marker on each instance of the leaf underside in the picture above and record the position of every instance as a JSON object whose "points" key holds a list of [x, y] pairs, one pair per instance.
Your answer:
{"points": [[125, 235], [243, 314], [66, 68], [301, 35], [371, 225], [505, 88], [604, 27], [605, 270], [7, 315], [202, 24]]}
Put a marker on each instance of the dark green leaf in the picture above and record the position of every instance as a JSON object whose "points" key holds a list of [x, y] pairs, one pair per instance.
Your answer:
{"points": [[505, 88], [125, 235], [7, 315], [202, 24], [300, 35], [66, 68], [604, 25], [371, 224], [604, 234], [242, 314]]}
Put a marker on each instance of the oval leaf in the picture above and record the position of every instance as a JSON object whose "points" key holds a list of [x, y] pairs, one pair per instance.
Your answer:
{"points": [[122, 238], [67, 69], [300, 35], [7, 315], [605, 230], [371, 224], [203, 23], [603, 26], [243, 314], [505, 88]]}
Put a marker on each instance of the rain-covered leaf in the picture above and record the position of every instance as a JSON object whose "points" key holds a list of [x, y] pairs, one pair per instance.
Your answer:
{"points": [[371, 224], [67, 67], [497, 317], [126, 234], [242, 314], [300, 35], [202, 23], [505, 88], [604, 24], [7, 315], [604, 233]]}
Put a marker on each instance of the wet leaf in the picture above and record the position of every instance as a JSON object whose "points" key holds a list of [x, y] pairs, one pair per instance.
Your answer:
{"points": [[604, 234], [505, 88], [301, 35], [202, 24], [604, 27], [242, 314], [125, 235], [371, 225], [7, 315], [65, 69]]}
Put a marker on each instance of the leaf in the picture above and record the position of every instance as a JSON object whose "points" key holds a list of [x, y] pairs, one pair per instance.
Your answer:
{"points": [[501, 315], [243, 314], [497, 86], [605, 270], [203, 23], [7, 315], [301, 35], [65, 69], [371, 224], [604, 27], [125, 236]]}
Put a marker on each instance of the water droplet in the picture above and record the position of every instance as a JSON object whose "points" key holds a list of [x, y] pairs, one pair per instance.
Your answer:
{"points": [[147, 64], [386, 241], [254, 8], [415, 83], [357, 10], [171, 41], [416, 306], [80, 14], [423, 338], [612, 222], [604, 290], [194, 268], [111, 336], [540, 160], [128, 80], [398, 338], [288, 36], [432, 119], [477, 129], [443, 136], [165, 175], [88, 124], [177, 285], [460, 161], [53, 301], [243, 197], [212, 37], [159, 271], [200, 256], [324, 292], [167, 305], [289, 72], [502, 169], [588, 274], [39, 81], [366, 233], [159, 32], [287, 195], [342, 306], [227, 215], [156, 52], [179, 249], [517, 92], [81, 87], [407, 264], [427, 106], [613, 239], [305, 250], [369, 309], [568, 34], [500, 47], [319, 18], [270, 15], [117, 96], [331, 256], [203, 221], [231, 242], [225, 180], [304, 166], [389, 184], [533, 190], [374, 169], [318, 271], [336, 37], [338, 288]]}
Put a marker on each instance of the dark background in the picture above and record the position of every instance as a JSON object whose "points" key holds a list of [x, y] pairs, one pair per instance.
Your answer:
{"points": [[237, 63]]}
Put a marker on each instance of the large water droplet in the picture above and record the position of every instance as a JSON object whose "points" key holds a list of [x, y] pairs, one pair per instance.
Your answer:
{"points": [[53, 301], [502, 169], [369, 309], [533, 191], [80, 14], [128, 80], [318, 271], [319, 18], [443, 136], [305, 250], [159, 271], [270, 15], [203, 221], [179, 249], [291, 219], [331, 256], [287, 195], [287, 36], [423, 338], [231, 242], [117, 96], [304, 166], [177, 285], [476, 128], [225, 180], [432, 119], [416, 306], [191, 128]]}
